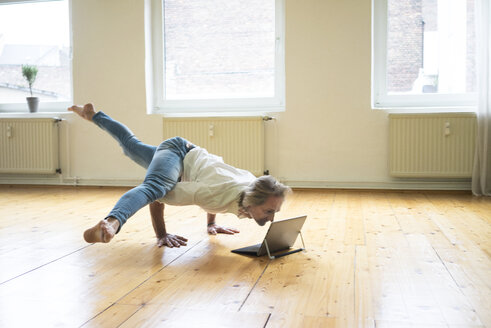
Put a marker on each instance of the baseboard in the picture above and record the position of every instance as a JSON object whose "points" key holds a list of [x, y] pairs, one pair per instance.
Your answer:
{"points": [[391, 185], [464, 184], [26, 180]]}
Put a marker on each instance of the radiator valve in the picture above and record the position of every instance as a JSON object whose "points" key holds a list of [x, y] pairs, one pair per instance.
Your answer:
{"points": [[9, 131], [447, 128]]}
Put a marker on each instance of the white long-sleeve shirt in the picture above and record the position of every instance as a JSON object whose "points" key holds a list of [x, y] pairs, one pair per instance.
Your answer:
{"points": [[208, 182]]}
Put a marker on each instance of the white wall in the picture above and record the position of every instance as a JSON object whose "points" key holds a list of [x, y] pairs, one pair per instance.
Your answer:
{"points": [[329, 132], [328, 136], [108, 70]]}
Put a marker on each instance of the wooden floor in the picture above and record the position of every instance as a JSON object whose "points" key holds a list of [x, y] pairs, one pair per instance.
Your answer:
{"points": [[373, 259]]}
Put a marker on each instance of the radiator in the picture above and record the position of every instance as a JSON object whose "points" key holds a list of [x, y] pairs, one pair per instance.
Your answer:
{"points": [[238, 140], [432, 145], [29, 146]]}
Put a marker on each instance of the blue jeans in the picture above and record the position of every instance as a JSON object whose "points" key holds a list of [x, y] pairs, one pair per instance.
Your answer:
{"points": [[163, 164]]}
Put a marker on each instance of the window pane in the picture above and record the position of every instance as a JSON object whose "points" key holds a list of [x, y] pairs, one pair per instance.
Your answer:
{"points": [[216, 49], [35, 34], [431, 47]]}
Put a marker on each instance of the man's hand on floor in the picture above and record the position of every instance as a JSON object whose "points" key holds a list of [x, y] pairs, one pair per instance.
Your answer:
{"points": [[171, 241], [215, 228]]}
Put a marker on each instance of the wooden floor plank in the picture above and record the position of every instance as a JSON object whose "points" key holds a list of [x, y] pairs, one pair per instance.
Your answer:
{"points": [[364, 315], [113, 316], [278, 320], [152, 315]]}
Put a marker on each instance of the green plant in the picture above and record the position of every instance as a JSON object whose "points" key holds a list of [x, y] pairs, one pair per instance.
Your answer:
{"points": [[30, 72]]}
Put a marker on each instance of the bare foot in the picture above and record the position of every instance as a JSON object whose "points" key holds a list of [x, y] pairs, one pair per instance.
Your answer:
{"points": [[102, 232], [85, 112]]}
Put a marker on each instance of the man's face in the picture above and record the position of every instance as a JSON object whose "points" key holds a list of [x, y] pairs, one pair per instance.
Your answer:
{"points": [[265, 213]]}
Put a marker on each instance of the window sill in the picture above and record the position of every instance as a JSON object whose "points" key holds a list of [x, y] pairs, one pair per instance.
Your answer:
{"points": [[211, 114], [33, 115], [426, 110], [238, 112], [44, 107]]}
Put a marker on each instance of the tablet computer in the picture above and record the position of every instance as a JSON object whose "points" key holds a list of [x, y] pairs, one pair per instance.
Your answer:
{"points": [[281, 236]]}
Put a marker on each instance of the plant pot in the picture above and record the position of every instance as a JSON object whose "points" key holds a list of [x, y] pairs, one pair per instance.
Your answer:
{"points": [[33, 103]]}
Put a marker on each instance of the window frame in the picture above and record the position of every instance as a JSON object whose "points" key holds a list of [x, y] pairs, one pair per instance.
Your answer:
{"points": [[155, 82], [380, 99], [54, 106]]}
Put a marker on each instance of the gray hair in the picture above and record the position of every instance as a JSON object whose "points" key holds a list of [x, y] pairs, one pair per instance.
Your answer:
{"points": [[261, 189]]}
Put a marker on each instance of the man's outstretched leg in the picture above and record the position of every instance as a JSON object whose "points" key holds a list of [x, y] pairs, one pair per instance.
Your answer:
{"points": [[105, 230], [164, 169], [102, 232], [138, 151], [141, 153], [162, 175]]}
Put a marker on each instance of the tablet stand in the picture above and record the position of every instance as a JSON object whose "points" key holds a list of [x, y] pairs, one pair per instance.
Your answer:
{"points": [[286, 253]]}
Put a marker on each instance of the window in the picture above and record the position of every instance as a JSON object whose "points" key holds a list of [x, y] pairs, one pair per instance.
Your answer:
{"points": [[423, 54], [35, 33], [217, 56]]}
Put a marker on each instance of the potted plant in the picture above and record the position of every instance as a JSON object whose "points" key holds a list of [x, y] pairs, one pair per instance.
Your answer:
{"points": [[30, 72]]}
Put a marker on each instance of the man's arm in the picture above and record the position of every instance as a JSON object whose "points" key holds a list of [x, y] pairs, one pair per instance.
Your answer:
{"points": [[163, 238], [211, 218], [157, 214], [213, 228]]}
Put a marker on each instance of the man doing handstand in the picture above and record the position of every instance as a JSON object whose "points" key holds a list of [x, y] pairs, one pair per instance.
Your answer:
{"points": [[180, 173]]}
